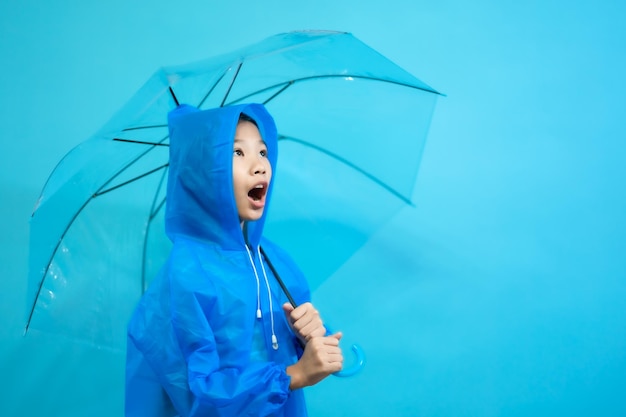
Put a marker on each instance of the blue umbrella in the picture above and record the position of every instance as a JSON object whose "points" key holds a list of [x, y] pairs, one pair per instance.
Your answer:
{"points": [[352, 126]]}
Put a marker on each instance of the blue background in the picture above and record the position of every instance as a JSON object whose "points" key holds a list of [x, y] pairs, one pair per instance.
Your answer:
{"points": [[500, 293]]}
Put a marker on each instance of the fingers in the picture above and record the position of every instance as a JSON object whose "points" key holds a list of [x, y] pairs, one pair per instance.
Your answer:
{"points": [[325, 354], [331, 340], [322, 357], [313, 328], [334, 363], [328, 353], [302, 310], [337, 336], [326, 345], [305, 320], [334, 355]]}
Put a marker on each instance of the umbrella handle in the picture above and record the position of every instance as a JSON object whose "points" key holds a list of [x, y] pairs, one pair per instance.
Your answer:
{"points": [[360, 356], [358, 363], [356, 368]]}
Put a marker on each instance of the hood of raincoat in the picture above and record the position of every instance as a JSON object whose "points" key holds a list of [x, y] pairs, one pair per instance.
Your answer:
{"points": [[209, 337], [200, 199]]}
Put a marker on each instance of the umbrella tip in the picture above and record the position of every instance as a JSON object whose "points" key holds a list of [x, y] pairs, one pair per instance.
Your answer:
{"points": [[174, 97]]}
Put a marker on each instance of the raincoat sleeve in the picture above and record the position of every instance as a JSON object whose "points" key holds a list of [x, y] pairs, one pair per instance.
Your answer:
{"points": [[219, 388]]}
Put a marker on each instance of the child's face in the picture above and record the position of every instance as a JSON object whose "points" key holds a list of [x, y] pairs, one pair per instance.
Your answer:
{"points": [[252, 172]]}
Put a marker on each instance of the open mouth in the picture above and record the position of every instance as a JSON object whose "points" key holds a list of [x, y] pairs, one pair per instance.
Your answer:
{"points": [[257, 193]]}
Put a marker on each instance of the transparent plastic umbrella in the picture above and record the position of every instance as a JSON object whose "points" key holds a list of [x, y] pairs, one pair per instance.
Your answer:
{"points": [[352, 126]]}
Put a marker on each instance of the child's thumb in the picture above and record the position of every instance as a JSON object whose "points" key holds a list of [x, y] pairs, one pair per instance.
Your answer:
{"points": [[337, 335], [287, 308]]}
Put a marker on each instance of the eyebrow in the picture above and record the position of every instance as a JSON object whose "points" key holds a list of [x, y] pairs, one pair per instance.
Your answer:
{"points": [[241, 140]]}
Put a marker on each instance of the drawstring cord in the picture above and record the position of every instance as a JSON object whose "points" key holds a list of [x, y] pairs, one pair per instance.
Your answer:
{"points": [[269, 296], [258, 297]]}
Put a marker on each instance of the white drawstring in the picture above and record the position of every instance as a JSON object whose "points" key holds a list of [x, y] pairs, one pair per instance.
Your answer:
{"points": [[269, 296], [258, 297]]}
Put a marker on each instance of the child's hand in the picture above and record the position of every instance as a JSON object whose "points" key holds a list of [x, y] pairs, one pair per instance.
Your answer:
{"points": [[322, 356], [305, 321]]}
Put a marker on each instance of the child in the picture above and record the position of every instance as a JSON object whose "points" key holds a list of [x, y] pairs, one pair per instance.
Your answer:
{"points": [[207, 338]]}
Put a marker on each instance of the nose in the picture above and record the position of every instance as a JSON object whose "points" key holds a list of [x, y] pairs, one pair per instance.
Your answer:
{"points": [[259, 168]]}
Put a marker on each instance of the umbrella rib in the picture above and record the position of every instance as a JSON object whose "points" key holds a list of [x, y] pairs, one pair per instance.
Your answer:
{"points": [[151, 216], [157, 209], [206, 96], [145, 174], [56, 248], [287, 85], [318, 77], [140, 142], [137, 158], [348, 163], [127, 129], [232, 82]]}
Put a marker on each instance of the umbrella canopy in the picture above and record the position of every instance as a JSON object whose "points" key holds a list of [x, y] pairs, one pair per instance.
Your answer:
{"points": [[352, 127]]}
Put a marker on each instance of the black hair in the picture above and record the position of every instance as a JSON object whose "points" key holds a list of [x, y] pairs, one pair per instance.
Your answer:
{"points": [[245, 118]]}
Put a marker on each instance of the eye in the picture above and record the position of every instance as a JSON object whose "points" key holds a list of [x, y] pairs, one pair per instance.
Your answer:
{"points": [[263, 153], [237, 152]]}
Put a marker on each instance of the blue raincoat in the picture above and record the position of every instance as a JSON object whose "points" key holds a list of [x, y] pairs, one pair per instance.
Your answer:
{"points": [[196, 346]]}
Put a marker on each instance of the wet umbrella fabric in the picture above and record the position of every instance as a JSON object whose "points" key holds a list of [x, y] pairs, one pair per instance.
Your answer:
{"points": [[352, 126]]}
